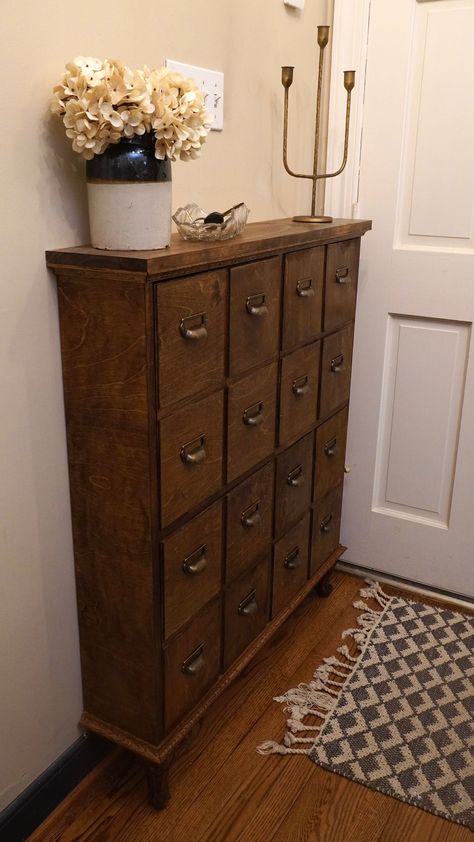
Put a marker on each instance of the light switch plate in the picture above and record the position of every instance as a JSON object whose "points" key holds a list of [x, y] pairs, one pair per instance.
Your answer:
{"points": [[297, 4], [211, 82]]}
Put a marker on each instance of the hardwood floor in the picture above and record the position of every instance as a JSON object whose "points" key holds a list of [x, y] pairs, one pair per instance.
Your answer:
{"points": [[222, 790]]}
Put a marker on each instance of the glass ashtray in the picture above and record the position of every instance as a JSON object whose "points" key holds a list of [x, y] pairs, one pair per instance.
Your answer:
{"points": [[191, 225]]}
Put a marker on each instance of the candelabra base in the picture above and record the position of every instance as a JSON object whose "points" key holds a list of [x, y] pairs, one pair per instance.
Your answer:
{"points": [[310, 218]]}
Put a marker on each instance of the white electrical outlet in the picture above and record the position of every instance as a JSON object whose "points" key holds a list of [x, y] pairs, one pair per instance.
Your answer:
{"points": [[297, 4], [211, 82]]}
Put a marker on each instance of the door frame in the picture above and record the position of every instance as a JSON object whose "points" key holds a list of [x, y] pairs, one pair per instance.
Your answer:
{"points": [[349, 52]]}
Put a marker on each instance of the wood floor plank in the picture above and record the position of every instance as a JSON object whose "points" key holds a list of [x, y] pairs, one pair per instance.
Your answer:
{"points": [[410, 824], [223, 791], [321, 814]]}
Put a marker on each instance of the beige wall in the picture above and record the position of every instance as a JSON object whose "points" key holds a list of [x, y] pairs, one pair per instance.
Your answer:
{"points": [[44, 206]]}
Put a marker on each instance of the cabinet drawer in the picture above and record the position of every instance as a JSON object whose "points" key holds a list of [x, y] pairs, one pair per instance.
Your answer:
{"points": [[254, 313], [326, 528], [249, 521], [191, 443], [330, 453], [342, 267], [335, 370], [303, 296], [251, 420], [246, 610], [294, 477], [192, 564], [290, 564], [191, 319], [192, 662], [299, 392]]}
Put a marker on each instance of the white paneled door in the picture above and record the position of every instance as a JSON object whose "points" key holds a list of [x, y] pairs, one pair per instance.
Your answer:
{"points": [[409, 498]]}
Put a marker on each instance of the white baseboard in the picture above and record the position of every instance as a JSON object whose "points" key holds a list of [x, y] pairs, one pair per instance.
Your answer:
{"points": [[403, 584]]}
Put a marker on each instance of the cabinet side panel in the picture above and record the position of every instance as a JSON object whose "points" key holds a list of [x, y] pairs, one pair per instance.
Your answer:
{"points": [[104, 351]]}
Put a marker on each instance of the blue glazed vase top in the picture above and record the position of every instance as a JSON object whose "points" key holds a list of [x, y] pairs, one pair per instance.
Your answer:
{"points": [[131, 159]]}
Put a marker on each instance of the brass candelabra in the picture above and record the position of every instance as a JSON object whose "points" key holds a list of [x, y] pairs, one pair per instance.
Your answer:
{"points": [[286, 80]]}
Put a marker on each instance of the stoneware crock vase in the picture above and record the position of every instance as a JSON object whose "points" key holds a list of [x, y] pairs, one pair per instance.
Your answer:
{"points": [[129, 194]]}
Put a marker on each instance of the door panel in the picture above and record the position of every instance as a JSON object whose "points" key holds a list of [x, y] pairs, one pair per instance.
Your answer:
{"points": [[408, 498]]}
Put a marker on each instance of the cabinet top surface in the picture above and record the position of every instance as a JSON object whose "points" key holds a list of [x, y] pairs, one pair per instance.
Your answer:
{"points": [[258, 239]]}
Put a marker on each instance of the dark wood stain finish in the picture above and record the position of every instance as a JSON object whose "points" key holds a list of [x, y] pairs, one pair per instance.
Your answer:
{"points": [[251, 420], [293, 486], [192, 336], [246, 610], [290, 564], [342, 269], [299, 386], [191, 435], [336, 369], [176, 387], [326, 528], [192, 662], [192, 565], [303, 297], [249, 521], [254, 314], [330, 454]]}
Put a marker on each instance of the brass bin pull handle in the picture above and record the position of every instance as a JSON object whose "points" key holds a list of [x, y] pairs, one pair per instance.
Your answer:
{"points": [[295, 478], [194, 662], [255, 304], [300, 386], [194, 452], [325, 525], [292, 560], [337, 363], [330, 447], [198, 331], [248, 606], [251, 516], [304, 288], [253, 416], [196, 562], [342, 275]]}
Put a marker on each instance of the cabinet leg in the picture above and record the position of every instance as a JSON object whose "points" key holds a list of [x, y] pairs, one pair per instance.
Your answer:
{"points": [[158, 788], [324, 587]]}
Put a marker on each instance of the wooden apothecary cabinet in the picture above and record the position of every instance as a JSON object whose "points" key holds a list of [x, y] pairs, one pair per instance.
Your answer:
{"points": [[206, 392]]}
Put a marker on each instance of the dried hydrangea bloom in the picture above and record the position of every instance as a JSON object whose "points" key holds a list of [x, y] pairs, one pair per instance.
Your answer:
{"points": [[102, 101]]}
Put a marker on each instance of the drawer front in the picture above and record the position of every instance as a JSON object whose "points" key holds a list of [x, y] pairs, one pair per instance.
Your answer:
{"points": [[191, 319], [293, 485], [192, 662], [326, 528], [251, 420], [342, 268], [290, 564], [335, 370], [330, 453], [246, 610], [254, 314], [299, 392], [303, 296], [191, 444], [249, 521], [192, 565]]}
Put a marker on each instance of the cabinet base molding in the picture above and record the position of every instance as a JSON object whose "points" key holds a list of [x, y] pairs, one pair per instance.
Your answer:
{"points": [[159, 756]]}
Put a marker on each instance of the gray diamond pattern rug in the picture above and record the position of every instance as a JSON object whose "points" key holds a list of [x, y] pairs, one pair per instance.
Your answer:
{"points": [[394, 710]]}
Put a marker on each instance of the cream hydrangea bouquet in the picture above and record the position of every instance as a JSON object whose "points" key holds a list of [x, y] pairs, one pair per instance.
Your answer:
{"points": [[102, 102]]}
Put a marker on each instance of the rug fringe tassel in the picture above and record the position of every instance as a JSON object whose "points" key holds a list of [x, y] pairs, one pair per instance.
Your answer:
{"points": [[319, 697]]}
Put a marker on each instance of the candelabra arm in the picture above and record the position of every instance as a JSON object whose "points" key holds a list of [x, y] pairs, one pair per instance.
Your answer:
{"points": [[285, 144], [346, 144]]}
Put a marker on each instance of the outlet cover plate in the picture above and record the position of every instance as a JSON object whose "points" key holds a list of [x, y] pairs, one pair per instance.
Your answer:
{"points": [[296, 4], [211, 82]]}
